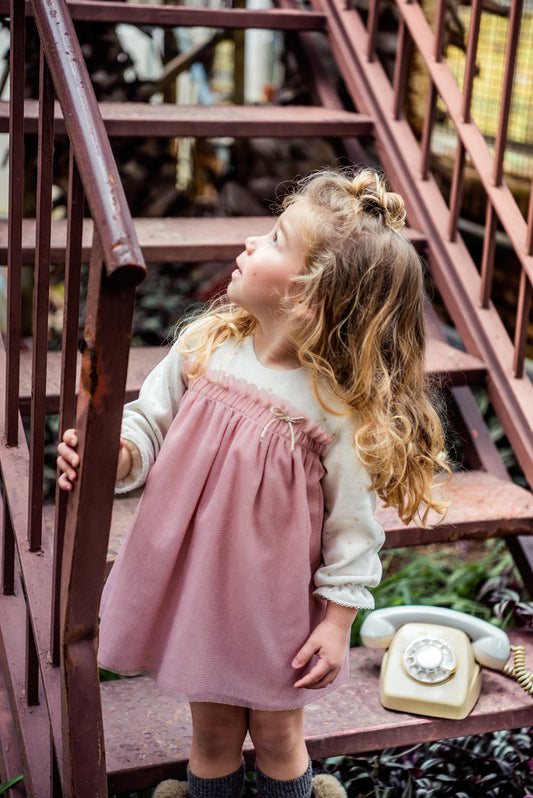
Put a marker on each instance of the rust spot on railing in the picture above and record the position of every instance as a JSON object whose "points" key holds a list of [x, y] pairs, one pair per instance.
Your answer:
{"points": [[92, 378]]}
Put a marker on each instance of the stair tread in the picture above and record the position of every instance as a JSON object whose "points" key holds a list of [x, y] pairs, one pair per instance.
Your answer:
{"points": [[171, 239], [446, 365], [148, 733], [229, 18], [168, 119], [141, 361], [481, 506]]}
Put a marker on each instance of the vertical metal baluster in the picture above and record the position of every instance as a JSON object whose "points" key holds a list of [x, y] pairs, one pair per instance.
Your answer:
{"points": [[372, 28], [429, 124], [525, 296], [401, 69], [431, 108], [41, 304], [487, 258], [471, 56], [529, 232], [67, 399], [456, 192], [511, 51], [8, 552], [16, 190], [32, 666], [439, 30]]}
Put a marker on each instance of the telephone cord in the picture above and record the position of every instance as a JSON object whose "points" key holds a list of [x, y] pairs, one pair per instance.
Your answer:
{"points": [[517, 670]]}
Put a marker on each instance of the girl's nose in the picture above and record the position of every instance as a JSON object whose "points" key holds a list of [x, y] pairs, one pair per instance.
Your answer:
{"points": [[250, 244]]}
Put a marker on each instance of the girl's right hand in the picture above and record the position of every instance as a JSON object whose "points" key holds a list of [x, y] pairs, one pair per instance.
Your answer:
{"points": [[68, 460]]}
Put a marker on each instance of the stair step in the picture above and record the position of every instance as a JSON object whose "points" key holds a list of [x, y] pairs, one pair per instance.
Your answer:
{"points": [[180, 16], [481, 506], [242, 121], [166, 240], [148, 733], [445, 364], [141, 361]]}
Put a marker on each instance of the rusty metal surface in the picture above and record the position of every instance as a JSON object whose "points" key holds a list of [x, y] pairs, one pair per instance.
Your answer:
{"points": [[141, 361], [41, 301], [16, 203], [68, 381], [173, 16], [11, 762], [91, 147], [172, 239], [148, 732], [481, 506], [445, 365], [36, 570], [98, 418], [145, 119], [31, 728]]}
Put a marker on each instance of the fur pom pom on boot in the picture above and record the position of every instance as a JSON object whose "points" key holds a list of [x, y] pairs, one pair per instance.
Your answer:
{"points": [[325, 786], [171, 789]]}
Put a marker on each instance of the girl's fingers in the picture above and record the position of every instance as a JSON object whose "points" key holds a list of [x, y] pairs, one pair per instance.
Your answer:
{"points": [[68, 455], [64, 483], [67, 469], [68, 459], [320, 676], [70, 437]]}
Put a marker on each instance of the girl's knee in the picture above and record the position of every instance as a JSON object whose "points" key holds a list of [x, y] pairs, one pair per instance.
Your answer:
{"points": [[218, 728], [277, 734]]}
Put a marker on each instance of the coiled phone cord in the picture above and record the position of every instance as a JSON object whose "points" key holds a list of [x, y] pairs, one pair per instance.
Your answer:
{"points": [[517, 670]]}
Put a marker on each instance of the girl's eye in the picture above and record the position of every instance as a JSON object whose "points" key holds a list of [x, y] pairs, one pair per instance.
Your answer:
{"points": [[274, 239]]}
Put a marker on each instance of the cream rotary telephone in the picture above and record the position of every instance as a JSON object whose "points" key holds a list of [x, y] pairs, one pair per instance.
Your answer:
{"points": [[433, 658]]}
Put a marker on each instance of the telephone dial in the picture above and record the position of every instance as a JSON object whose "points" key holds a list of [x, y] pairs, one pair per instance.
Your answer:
{"points": [[432, 663]]}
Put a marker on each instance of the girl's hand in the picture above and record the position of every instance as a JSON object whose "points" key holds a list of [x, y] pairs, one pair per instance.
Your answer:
{"points": [[68, 460], [328, 641]]}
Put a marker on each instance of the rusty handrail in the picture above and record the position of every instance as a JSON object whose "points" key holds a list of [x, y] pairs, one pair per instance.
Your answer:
{"points": [[92, 151]]}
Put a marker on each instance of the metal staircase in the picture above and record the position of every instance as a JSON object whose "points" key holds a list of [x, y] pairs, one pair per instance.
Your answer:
{"points": [[65, 733]]}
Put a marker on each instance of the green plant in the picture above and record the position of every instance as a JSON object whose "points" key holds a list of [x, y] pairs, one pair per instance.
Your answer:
{"points": [[497, 765], [453, 578], [11, 783]]}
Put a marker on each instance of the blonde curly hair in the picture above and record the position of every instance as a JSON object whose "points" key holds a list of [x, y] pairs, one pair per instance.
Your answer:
{"points": [[363, 336]]}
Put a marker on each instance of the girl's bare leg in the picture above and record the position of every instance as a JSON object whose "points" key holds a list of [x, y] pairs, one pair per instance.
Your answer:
{"points": [[218, 732], [279, 742]]}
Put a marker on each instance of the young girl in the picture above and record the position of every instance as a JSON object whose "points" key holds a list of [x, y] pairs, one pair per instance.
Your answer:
{"points": [[263, 438]]}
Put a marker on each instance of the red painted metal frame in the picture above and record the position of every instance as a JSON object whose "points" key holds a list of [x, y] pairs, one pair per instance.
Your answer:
{"points": [[187, 16]]}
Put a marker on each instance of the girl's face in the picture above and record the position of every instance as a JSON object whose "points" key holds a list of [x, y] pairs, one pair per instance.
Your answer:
{"points": [[261, 282]]}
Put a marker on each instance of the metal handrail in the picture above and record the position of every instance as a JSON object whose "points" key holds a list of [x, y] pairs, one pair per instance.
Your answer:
{"points": [[92, 151]]}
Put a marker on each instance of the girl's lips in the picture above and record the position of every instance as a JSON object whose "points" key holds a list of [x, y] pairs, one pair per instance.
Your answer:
{"points": [[236, 273]]}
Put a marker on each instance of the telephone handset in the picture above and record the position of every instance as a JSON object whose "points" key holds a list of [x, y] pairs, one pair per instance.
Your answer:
{"points": [[431, 666]]}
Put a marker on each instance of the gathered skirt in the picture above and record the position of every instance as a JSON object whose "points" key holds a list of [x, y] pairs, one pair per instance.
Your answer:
{"points": [[212, 590]]}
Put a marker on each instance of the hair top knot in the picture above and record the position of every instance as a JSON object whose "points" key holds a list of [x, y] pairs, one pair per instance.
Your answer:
{"points": [[373, 197]]}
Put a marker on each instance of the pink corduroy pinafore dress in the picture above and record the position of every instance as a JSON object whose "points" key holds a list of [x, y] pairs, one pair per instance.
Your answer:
{"points": [[212, 590]]}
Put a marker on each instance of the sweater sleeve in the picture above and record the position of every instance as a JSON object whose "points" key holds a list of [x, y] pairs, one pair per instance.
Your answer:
{"points": [[351, 537], [146, 420]]}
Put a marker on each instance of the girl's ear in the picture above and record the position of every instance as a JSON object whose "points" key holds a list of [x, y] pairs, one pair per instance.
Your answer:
{"points": [[303, 311]]}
